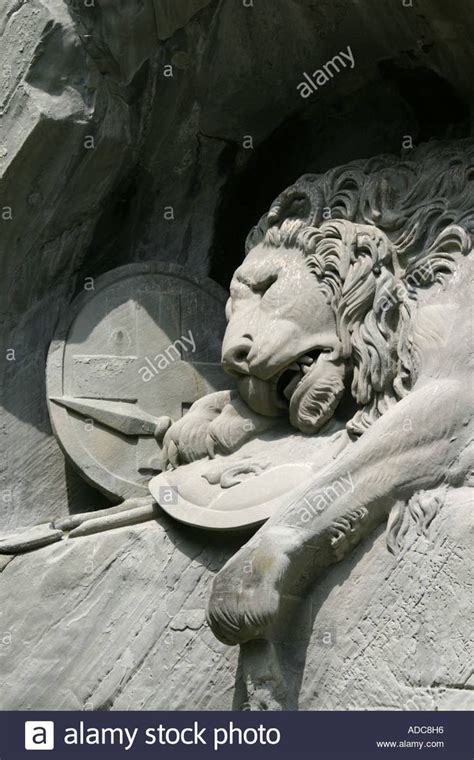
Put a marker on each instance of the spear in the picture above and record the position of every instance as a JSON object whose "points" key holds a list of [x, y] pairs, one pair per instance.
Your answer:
{"points": [[123, 416]]}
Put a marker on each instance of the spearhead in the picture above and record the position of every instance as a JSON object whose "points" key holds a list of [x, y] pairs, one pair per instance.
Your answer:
{"points": [[123, 416]]}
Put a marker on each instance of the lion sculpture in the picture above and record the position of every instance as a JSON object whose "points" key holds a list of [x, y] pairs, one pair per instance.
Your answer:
{"points": [[355, 295]]}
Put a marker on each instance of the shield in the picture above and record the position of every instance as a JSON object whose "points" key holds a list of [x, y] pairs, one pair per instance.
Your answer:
{"points": [[243, 489], [131, 353]]}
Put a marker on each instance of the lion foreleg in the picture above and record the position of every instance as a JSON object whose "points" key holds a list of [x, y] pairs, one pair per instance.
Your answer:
{"points": [[409, 448]]}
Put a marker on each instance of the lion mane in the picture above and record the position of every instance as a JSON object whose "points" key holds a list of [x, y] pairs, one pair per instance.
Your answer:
{"points": [[374, 232]]}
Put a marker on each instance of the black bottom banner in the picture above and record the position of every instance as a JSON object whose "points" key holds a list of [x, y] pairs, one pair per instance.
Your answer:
{"points": [[316, 735]]}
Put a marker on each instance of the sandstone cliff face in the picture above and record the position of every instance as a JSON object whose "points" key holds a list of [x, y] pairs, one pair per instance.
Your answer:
{"points": [[111, 113], [97, 138], [117, 621]]}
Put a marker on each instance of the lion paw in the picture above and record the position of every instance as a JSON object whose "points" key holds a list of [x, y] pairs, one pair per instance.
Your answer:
{"points": [[216, 424], [246, 594], [235, 425], [187, 439]]}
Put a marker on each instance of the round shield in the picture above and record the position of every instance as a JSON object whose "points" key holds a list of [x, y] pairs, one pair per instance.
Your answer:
{"points": [[133, 352], [243, 489]]}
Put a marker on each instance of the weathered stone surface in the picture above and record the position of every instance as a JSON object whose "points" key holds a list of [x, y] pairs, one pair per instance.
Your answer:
{"points": [[117, 621], [400, 629], [96, 141], [70, 72], [172, 15], [55, 108]]}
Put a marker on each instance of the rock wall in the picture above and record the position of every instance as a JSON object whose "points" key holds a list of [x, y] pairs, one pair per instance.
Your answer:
{"points": [[111, 113], [117, 621]]}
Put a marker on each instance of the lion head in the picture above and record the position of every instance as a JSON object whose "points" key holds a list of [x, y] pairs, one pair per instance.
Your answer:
{"points": [[327, 293]]}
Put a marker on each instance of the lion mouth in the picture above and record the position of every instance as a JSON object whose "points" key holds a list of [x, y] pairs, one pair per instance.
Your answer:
{"points": [[287, 381], [311, 387], [307, 390]]}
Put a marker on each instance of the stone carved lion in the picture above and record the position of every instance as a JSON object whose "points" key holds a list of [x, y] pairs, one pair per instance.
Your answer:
{"points": [[354, 296]]}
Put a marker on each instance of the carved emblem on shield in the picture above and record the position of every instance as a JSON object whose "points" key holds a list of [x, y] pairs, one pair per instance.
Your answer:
{"points": [[130, 355]]}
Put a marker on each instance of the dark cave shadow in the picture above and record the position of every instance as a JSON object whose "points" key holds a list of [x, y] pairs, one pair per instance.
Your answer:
{"points": [[333, 131], [81, 495]]}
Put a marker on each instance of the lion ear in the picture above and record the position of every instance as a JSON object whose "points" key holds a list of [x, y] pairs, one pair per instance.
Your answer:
{"points": [[291, 204], [256, 234]]}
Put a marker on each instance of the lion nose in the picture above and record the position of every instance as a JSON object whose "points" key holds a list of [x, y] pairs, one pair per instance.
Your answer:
{"points": [[235, 357]]}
